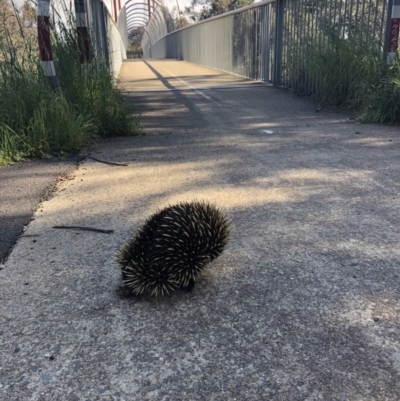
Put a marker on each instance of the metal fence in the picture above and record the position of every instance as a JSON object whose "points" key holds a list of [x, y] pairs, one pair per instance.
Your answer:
{"points": [[161, 23], [122, 26], [277, 40], [108, 38], [241, 42], [312, 30]]}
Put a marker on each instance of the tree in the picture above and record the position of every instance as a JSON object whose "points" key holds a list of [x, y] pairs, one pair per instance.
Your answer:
{"points": [[200, 10], [178, 16], [28, 16], [8, 20], [16, 26], [181, 21], [135, 37]]}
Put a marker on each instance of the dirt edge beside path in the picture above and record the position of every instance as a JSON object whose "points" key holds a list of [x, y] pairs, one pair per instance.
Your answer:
{"points": [[23, 187]]}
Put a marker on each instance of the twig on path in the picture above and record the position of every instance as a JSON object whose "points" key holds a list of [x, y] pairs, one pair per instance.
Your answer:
{"points": [[96, 230], [30, 235], [111, 163]]}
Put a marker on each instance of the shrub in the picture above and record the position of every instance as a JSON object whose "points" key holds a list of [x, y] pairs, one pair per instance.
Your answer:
{"points": [[35, 121], [382, 104]]}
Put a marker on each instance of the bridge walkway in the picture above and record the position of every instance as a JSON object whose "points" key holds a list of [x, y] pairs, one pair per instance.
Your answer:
{"points": [[302, 305]]}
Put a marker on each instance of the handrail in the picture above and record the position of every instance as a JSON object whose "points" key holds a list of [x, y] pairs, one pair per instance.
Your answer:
{"points": [[227, 14], [277, 41]]}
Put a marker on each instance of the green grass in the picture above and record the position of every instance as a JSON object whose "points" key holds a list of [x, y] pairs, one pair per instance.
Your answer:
{"points": [[335, 70], [347, 73], [382, 103], [34, 120]]}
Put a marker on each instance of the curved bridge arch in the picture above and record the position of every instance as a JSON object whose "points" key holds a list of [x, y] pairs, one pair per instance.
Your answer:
{"points": [[137, 18], [133, 1], [136, 24], [141, 6], [160, 24], [137, 12]]}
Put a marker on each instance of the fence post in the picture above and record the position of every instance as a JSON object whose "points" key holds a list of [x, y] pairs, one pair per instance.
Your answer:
{"points": [[392, 31], [280, 7], [82, 31], [44, 40]]}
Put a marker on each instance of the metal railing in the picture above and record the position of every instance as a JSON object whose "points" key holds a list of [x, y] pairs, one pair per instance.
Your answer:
{"points": [[160, 24], [318, 28], [122, 26], [273, 40], [108, 38], [240, 41]]}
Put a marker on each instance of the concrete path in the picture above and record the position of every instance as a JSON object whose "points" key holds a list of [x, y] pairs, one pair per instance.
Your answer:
{"points": [[304, 303]]}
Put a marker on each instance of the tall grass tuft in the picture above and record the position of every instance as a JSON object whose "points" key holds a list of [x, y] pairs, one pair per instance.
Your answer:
{"points": [[11, 145], [382, 103], [348, 68], [353, 75], [339, 61], [34, 120], [57, 126], [337, 71]]}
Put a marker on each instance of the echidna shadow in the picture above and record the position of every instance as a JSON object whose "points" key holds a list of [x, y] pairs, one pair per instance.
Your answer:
{"points": [[172, 248]]}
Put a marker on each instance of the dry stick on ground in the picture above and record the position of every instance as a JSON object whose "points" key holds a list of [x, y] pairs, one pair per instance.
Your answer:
{"points": [[111, 163], [96, 230]]}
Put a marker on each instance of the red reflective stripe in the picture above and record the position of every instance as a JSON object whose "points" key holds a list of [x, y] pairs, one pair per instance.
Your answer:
{"points": [[83, 43], [43, 29], [115, 10], [394, 34]]}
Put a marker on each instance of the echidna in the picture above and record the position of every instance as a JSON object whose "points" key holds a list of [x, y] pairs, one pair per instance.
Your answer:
{"points": [[172, 248]]}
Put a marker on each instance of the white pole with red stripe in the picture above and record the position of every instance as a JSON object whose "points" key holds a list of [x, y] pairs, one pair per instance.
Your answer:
{"points": [[46, 54], [82, 31], [393, 27]]}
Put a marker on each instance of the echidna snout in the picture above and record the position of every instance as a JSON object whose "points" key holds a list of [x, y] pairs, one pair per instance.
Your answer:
{"points": [[173, 247]]}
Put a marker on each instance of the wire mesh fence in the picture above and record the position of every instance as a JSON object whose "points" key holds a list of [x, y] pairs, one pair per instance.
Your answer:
{"points": [[240, 42], [314, 31], [287, 42], [160, 24], [109, 40]]}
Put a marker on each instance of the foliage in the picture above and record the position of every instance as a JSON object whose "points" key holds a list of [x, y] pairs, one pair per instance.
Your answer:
{"points": [[341, 63], [35, 121], [335, 70], [181, 21], [382, 103], [200, 10], [135, 38], [135, 35]]}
